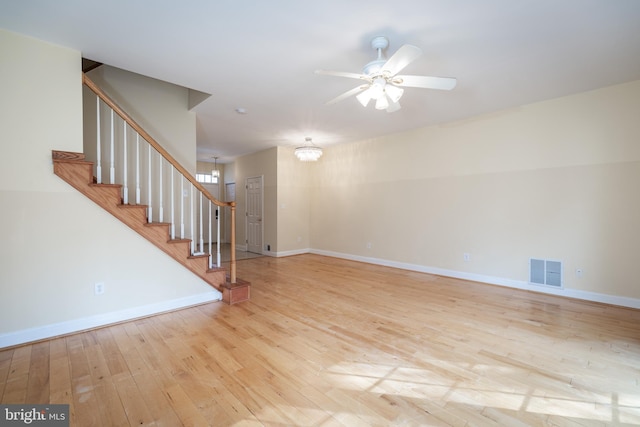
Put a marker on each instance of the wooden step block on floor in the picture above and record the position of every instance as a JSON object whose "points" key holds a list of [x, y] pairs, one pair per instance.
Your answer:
{"points": [[233, 293]]}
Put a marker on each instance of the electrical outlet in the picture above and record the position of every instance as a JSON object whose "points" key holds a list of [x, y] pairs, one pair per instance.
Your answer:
{"points": [[369, 245], [99, 288], [466, 256], [579, 272]]}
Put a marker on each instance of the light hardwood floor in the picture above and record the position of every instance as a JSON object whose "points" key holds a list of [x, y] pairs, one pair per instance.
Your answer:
{"points": [[329, 342]]}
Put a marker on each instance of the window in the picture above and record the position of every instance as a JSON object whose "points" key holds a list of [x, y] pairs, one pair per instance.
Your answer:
{"points": [[206, 178]]}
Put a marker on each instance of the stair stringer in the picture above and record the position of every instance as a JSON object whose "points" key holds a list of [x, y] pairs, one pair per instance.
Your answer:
{"points": [[76, 171]]}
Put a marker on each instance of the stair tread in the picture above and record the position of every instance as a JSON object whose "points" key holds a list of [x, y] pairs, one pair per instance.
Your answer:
{"points": [[93, 184], [78, 161], [153, 224], [129, 205], [58, 155]]}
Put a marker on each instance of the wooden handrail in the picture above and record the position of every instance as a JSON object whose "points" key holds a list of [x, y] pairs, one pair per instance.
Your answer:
{"points": [[91, 85], [164, 153]]}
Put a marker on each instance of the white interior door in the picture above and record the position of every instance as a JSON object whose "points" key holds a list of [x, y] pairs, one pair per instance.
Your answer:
{"points": [[254, 214]]}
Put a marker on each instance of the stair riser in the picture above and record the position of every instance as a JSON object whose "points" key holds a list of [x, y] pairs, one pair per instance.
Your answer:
{"points": [[136, 213], [77, 176]]}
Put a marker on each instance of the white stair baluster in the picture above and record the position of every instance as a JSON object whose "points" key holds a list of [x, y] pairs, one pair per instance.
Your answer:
{"points": [[173, 220], [201, 228], [160, 198], [210, 231], [137, 168], [149, 198], [218, 234], [112, 165], [125, 172], [181, 206], [191, 221], [173, 217], [98, 146]]}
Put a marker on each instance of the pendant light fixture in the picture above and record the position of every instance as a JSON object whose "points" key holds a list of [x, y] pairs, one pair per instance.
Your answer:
{"points": [[215, 173], [308, 152]]}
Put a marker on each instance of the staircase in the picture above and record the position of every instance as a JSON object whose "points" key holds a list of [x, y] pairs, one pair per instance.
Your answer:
{"points": [[132, 162], [75, 170]]}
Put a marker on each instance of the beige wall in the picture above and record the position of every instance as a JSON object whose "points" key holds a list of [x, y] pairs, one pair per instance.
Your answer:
{"points": [[57, 243], [286, 198], [294, 202], [207, 167], [556, 180]]}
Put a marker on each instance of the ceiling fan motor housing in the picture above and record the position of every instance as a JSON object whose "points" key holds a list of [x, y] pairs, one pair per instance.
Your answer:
{"points": [[374, 67], [380, 42]]}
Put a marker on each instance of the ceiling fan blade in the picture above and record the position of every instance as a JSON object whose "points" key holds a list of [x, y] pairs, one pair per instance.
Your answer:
{"points": [[403, 57], [342, 74], [425, 82], [347, 94]]}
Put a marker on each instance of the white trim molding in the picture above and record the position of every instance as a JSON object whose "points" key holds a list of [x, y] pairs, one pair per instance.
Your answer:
{"points": [[72, 326]]}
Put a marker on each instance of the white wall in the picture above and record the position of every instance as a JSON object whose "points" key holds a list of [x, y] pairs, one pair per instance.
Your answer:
{"points": [[556, 179], [56, 242]]}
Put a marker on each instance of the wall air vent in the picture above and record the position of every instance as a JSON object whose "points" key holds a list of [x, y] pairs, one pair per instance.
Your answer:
{"points": [[545, 272]]}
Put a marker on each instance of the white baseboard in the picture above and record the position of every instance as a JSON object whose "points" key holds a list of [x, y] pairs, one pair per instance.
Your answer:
{"points": [[77, 325], [289, 253], [501, 281]]}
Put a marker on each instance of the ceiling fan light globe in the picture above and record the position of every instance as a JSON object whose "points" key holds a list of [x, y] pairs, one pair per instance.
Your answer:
{"points": [[394, 92], [364, 97], [393, 107], [377, 88], [382, 103]]}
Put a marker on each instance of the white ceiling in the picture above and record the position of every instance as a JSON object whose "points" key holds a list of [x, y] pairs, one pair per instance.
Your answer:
{"points": [[261, 56]]}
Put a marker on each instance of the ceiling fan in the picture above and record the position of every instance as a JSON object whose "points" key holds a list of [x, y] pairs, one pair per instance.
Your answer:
{"points": [[381, 81]]}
